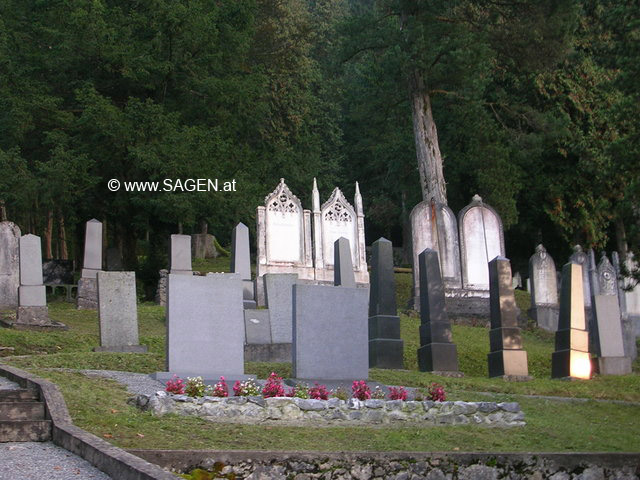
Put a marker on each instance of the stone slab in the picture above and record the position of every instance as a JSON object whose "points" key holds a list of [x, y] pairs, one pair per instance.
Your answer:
{"points": [[205, 326], [117, 309], [441, 357], [573, 339], [87, 298], [330, 332], [93, 245], [274, 352], [384, 326], [57, 272], [614, 365], [386, 353], [180, 254], [30, 260], [546, 317], [35, 315], [257, 325], [570, 364], [608, 318], [9, 264], [32, 295], [382, 293], [509, 363], [278, 288], [343, 264], [240, 255], [114, 260]]}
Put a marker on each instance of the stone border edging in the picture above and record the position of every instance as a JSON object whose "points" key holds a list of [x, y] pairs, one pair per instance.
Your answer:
{"points": [[114, 461]]}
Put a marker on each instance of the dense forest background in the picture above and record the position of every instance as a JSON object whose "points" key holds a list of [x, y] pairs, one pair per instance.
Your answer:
{"points": [[533, 104]]}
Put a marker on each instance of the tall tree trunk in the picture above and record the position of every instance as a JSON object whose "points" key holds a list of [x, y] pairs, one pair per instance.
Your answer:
{"points": [[204, 226], [3, 212], [48, 236], [62, 238], [621, 239], [426, 137]]}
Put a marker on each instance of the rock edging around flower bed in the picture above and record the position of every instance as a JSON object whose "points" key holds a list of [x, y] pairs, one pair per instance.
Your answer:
{"points": [[298, 411]]}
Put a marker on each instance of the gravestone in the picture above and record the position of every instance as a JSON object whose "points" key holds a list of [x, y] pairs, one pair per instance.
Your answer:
{"points": [[161, 290], [607, 334], [203, 246], [544, 290], [284, 238], [437, 352], [628, 327], [241, 262], [118, 313], [180, 255], [581, 258], [205, 327], [517, 280], [330, 333], [57, 272], [278, 288], [9, 264], [385, 346], [33, 310], [114, 260], [571, 356], [336, 218], [87, 285], [507, 358], [343, 267], [257, 326], [434, 226], [632, 296]]}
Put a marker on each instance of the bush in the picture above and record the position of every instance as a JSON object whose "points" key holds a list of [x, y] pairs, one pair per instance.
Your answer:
{"points": [[175, 385], [273, 387], [360, 390]]}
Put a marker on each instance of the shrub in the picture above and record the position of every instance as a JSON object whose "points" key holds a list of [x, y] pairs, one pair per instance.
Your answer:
{"points": [[319, 392], [437, 393], [246, 389], [195, 387], [360, 390], [397, 393], [175, 385], [301, 391], [220, 389], [340, 393]]}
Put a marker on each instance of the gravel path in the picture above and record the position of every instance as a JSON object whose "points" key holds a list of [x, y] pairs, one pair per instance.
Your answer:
{"points": [[44, 460], [138, 383]]}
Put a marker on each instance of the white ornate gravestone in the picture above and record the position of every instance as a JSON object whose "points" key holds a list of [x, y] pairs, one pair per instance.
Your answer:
{"points": [[544, 290], [336, 218], [9, 264], [87, 285], [434, 226]]}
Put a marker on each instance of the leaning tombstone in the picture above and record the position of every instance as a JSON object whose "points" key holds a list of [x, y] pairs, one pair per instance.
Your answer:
{"points": [[9, 264], [241, 262], [571, 357], [437, 352], [118, 313], [385, 346], [507, 358], [544, 290], [87, 285], [607, 336]]}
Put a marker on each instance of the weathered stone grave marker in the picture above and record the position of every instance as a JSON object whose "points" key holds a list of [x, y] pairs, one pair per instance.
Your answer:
{"points": [[241, 262], [87, 285], [544, 290], [9, 264]]}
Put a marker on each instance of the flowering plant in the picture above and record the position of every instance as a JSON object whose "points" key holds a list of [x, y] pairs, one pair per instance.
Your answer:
{"points": [[301, 391], [220, 389], [319, 392], [397, 393], [195, 387], [437, 393], [246, 389], [175, 385], [361, 390], [378, 393], [273, 387], [340, 393]]}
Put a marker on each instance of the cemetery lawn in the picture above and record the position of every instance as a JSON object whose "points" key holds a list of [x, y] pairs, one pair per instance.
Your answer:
{"points": [[100, 405]]}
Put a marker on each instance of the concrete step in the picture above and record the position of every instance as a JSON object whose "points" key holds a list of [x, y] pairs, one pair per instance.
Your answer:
{"points": [[21, 411], [25, 431], [19, 395]]}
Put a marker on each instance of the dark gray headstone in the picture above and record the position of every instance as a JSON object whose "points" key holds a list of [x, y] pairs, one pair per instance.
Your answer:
{"points": [[114, 260], [9, 264], [385, 346], [342, 264], [330, 333], [57, 272], [257, 326], [507, 358], [571, 357], [436, 352], [278, 288]]}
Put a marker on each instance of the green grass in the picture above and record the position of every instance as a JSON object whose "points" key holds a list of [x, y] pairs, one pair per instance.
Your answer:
{"points": [[99, 405]]}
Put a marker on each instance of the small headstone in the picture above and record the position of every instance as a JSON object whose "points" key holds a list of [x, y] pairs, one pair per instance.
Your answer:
{"points": [[9, 264], [330, 333], [180, 255], [437, 352], [87, 288], [544, 290], [278, 288], [205, 327], [241, 262], [507, 358], [571, 357], [118, 313], [385, 346], [257, 326], [343, 267], [114, 260]]}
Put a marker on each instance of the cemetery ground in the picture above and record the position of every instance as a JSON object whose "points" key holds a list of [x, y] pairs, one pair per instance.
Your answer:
{"points": [[608, 421]]}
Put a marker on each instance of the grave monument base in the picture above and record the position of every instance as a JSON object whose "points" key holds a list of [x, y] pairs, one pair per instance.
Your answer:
{"points": [[269, 352], [87, 294], [613, 365], [570, 364], [386, 353], [440, 357], [546, 317], [509, 363]]}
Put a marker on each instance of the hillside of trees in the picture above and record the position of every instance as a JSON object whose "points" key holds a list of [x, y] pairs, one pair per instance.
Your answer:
{"points": [[533, 104]]}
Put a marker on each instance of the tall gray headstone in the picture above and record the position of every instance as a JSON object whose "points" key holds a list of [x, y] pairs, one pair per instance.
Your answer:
{"points": [[87, 286], [628, 327], [257, 327], [607, 334], [507, 358], [278, 288], [330, 333], [205, 327], [118, 313], [437, 352], [342, 264], [544, 290], [9, 264], [180, 255], [241, 262], [385, 346], [571, 356]]}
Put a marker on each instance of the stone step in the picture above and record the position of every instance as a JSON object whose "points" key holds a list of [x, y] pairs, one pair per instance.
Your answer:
{"points": [[25, 431], [21, 411], [18, 395]]}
